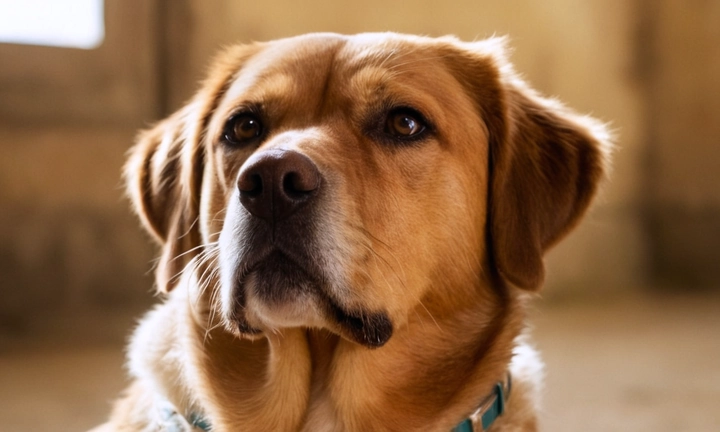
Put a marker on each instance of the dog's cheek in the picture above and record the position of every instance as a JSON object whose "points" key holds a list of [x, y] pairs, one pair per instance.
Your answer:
{"points": [[229, 259], [390, 231], [214, 200], [443, 230]]}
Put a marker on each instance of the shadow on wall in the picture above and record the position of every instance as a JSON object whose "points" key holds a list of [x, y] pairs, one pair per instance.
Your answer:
{"points": [[68, 241]]}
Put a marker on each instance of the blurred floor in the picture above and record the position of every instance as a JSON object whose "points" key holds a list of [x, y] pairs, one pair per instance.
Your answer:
{"points": [[631, 364], [628, 364]]}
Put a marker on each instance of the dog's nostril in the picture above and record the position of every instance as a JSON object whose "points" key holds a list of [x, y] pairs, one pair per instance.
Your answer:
{"points": [[252, 185], [296, 184]]}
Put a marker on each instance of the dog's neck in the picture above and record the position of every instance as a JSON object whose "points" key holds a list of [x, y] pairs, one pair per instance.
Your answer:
{"points": [[430, 375]]}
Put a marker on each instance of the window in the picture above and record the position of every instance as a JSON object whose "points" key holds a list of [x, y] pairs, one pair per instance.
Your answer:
{"points": [[67, 23]]}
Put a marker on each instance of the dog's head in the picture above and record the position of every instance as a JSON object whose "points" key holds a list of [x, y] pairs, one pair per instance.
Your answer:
{"points": [[343, 182]]}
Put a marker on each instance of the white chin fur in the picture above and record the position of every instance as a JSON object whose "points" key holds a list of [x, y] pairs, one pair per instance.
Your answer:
{"points": [[300, 311]]}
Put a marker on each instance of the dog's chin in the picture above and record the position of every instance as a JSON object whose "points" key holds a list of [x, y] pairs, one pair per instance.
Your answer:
{"points": [[277, 293]]}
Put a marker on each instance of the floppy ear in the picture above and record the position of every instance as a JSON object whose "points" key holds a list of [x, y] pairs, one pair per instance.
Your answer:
{"points": [[163, 175], [546, 163], [164, 172]]}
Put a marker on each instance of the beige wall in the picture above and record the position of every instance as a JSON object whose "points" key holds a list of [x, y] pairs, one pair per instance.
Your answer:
{"points": [[114, 84], [648, 67], [683, 182], [68, 241]]}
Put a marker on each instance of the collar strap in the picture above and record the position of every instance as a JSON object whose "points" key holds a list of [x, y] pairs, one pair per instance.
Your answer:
{"points": [[489, 409], [198, 421], [172, 421], [480, 420]]}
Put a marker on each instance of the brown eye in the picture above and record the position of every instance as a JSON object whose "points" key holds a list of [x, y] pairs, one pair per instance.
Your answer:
{"points": [[243, 128], [404, 123]]}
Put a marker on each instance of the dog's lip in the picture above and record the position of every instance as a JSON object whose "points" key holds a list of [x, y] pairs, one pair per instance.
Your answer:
{"points": [[370, 329], [248, 264]]}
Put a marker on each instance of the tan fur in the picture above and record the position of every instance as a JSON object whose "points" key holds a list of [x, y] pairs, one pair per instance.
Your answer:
{"points": [[444, 236]]}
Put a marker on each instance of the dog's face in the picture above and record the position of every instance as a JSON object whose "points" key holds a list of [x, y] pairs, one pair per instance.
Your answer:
{"points": [[346, 179], [344, 182]]}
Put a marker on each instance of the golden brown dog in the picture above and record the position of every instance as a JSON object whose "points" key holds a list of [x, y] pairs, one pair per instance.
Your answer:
{"points": [[350, 227]]}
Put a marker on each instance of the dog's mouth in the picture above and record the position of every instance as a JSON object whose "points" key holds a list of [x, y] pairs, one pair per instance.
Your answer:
{"points": [[274, 290]]}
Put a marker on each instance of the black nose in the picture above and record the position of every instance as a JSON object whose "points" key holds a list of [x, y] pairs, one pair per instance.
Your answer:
{"points": [[275, 183]]}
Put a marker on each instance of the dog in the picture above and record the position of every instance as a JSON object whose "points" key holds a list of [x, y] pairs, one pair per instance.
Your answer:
{"points": [[350, 229]]}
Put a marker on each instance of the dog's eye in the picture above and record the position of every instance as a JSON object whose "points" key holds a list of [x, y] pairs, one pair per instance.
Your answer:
{"points": [[242, 128], [404, 123]]}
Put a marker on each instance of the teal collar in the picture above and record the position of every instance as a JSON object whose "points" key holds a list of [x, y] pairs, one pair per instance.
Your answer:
{"points": [[489, 409], [172, 421], [199, 422], [480, 420]]}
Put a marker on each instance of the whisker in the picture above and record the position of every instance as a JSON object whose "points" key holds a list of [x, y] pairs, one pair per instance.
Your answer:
{"points": [[211, 316], [195, 221], [204, 245], [208, 332], [430, 315], [389, 249]]}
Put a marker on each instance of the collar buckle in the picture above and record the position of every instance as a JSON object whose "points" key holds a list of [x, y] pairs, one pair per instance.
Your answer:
{"points": [[489, 409]]}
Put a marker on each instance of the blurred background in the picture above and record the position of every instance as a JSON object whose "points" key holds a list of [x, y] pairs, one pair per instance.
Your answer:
{"points": [[629, 319]]}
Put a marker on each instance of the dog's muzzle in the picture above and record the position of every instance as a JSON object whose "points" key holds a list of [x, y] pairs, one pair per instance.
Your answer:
{"points": [[272, 251], [280, 266]]}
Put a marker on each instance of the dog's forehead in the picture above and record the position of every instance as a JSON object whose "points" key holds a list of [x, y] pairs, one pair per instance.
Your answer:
{"points": [[354, 68], [348, 52]]}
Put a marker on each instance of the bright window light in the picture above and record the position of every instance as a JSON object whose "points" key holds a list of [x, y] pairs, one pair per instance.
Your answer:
{"points": [[66, 23]]}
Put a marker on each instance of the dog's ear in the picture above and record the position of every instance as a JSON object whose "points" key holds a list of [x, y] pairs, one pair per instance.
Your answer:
{"points": [[545, 163], [545, 168], [163, 175], [164, 172]]}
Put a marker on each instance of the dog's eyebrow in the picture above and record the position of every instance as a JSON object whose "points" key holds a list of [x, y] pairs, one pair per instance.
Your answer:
{"points": [[379, 89], [276, 85], [272, 85]]}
